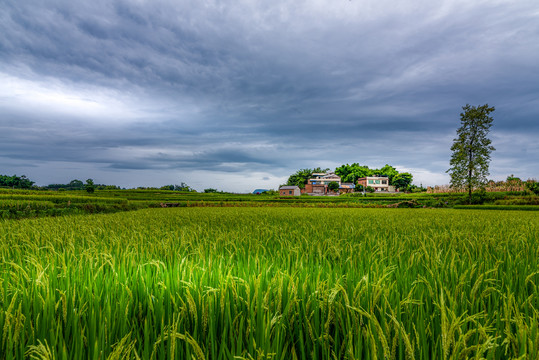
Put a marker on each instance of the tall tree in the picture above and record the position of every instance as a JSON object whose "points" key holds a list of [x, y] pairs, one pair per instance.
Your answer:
{"points": [[471, 149]]}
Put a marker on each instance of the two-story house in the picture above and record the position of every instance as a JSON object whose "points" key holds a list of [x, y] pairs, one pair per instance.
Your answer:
{"points": [[318, 183], [378, 183]]}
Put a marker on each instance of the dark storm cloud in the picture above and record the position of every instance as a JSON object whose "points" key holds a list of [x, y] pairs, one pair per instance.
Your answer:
{"points": [[239, 86], [224, 160]]}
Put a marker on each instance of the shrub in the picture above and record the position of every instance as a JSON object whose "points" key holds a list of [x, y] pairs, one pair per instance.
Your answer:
{"points": [[478, 197], [533, 186], [333, 186]]}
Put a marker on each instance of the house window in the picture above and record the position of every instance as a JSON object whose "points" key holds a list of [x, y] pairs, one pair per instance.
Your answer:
{"points": [[371, 181], [289, 192], [384, 182]]}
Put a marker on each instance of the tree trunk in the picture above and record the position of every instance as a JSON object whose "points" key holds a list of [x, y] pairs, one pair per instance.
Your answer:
{"points": [[470, 178]]}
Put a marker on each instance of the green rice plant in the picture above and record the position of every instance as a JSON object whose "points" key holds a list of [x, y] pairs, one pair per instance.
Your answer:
{"points": [[271, 283], [21, 205], [60, 199]]}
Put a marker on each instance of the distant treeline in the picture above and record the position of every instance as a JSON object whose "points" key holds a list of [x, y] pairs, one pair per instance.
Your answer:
{"points": [[22, 182], [79, 185], [16, 182]]}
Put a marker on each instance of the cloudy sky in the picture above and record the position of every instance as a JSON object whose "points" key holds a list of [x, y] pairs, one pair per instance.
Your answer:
{"points": [[237, 95]]}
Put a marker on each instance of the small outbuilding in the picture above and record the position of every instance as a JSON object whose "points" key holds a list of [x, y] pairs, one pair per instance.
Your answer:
{"points": [[346, 188], [289, 191]]}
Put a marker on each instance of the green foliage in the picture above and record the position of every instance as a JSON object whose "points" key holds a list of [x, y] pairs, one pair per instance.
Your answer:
{"points": [[79, 185], [76, 184], [90, 187], [302, 176], [105, 201], [264, 283], [479, 197], [350, 173], [471, 149], [416, 189], [210, 190], [389, 171], [184, 187], [533, 186], [333, 186], [181, 187], [402, 180], [73, 185], [16, 182]]}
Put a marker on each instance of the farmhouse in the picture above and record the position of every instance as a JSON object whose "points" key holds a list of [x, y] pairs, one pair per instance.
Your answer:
{"points": [[289, 191], [318, 184], [378, 183]]}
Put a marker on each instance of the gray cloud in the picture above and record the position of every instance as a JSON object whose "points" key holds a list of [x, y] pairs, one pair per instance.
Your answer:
{"points": [[262, 88]]}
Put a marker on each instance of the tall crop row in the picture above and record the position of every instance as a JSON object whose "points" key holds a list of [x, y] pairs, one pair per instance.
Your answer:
{"points": [[271, 283]]}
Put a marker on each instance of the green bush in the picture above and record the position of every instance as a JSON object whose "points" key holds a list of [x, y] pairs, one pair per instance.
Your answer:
{"points": [[533, 186], [479, 197]]}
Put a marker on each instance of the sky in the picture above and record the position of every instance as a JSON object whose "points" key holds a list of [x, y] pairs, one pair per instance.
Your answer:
{"points": [[238, 95]]}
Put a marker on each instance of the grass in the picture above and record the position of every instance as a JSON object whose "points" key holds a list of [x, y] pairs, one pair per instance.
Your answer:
{"points": [[271, 283], [33, 203]]}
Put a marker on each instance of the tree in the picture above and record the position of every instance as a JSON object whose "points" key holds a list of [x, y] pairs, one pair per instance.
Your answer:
{"points": [[16, 182], [533, 186], [302, 176], [76, 185], [513, 178], [90, 187], [471, 149], [183, 187], [350, 173], [333, 186], [388, 170], [402, 180]]}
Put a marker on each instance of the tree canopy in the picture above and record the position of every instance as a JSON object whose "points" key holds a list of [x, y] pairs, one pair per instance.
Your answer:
{"points": [[471, 149], [333, 186], [16, 182], [182, 187], [403, 180], [90, 186], [302, 176], [350, 173]]}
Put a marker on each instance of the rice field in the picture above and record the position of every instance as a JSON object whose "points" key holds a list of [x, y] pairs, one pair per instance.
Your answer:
{"points": [[271, 283]]}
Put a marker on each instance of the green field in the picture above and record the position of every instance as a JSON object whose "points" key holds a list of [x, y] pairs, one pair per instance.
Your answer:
{"points": [[19, 204], [271, 283]]}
